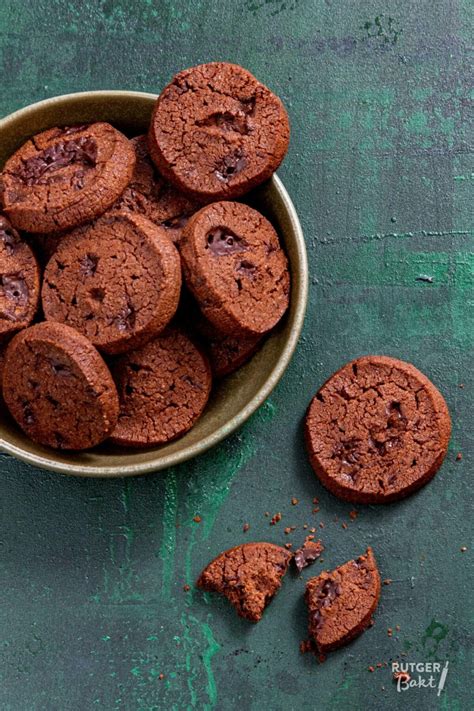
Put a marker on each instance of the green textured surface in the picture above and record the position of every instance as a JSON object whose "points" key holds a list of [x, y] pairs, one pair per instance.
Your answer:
{"points": [[92, 572]]}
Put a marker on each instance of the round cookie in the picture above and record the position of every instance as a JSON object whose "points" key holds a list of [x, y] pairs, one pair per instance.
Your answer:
{"points": [[216, 132], [377, 430], [235, 268], [64, 177], [19, 281], [58, 388], [341, 602], [116, 280], [163, 389], [151, 196], [248, 575]]}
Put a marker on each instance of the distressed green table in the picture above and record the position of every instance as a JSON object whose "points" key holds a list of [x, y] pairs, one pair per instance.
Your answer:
{"points": [[92, 572]]}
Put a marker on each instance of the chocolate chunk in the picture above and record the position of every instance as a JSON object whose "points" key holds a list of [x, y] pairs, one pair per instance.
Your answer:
{"points": [[308, 553]]}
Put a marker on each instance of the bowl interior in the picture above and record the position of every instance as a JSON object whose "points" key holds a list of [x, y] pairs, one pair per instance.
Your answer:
{"points": [[235, 397]]}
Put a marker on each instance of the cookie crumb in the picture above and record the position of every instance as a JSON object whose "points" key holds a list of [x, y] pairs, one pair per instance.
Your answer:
{"points": [[305, 525], [390, 631], [344, 525], [459, 457], [267, 514], [294, 501], [371, 669], [197, 519], [245, 527], [353, 514], [315, 500], [186, 588], [161, 676], [305, 646], [287, 531], [321, 524], [288, 546], [276, 518], [315, 510], [463, 549], [398, 628], [387, 581]]}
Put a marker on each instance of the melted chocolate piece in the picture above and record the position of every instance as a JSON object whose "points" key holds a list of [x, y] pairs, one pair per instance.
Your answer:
{"points": [[10, 240], [89, 264], [230, 165], [15, 288], [222, 241], [328, 592], [308, 553], [226, 121], [61, 154]]}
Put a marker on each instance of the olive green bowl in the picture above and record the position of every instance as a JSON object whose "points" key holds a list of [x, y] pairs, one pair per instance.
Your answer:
{"points": [[236, 397]]}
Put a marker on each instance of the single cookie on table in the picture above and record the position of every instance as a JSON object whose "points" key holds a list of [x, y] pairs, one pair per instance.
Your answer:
{"points": [[341, 603], [377, 430], [148, 194], [65, 177], [216, 132], [163, 389], [58, 388], [19, 281], [116, 280], [248, 575], [234, 266]]}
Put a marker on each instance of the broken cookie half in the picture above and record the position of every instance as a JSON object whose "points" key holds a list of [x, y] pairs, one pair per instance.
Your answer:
{"points": [[248, 575], [341, 602]]}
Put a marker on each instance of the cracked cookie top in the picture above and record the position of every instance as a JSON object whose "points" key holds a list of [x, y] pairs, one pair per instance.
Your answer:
{"points": [[217, 132], [64, 177], [248, 575], [377, 430], [58, 388], [163, 388], [153, 197], [116, 280], [236, 269]]}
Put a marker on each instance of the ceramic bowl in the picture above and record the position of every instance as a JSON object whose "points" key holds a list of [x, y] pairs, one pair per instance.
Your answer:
{"points": [[236, 397]]}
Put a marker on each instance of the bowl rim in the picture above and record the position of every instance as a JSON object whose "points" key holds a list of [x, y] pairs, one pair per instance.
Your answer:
{"points": [[299, 294]]}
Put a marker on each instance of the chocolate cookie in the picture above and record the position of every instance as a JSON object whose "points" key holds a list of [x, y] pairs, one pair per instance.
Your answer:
{"points": [[19, 281], [377, 430], [248, 575], [116, 280], [236, 269], [58, 388], [163, 389], [216, 132], [64, 177], [151, 196], [341, 602]]}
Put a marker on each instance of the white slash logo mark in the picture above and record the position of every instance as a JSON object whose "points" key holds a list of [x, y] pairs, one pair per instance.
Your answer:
{"points": [[442, 679]]}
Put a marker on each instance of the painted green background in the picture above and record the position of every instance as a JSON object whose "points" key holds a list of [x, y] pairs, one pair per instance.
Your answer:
{"points": [[92, 607]]}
